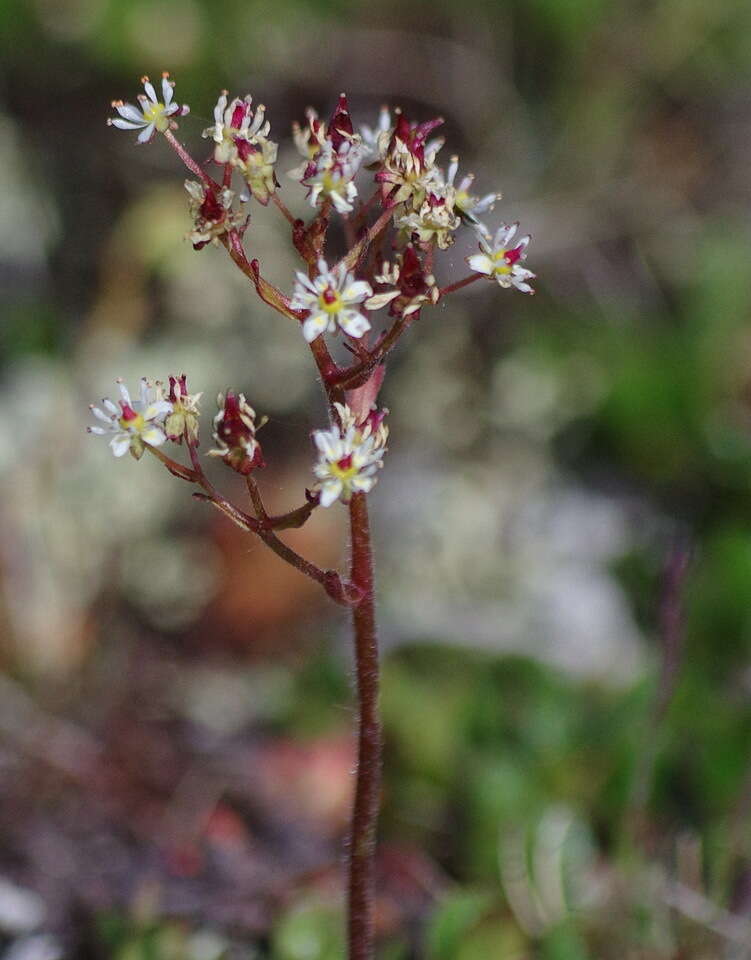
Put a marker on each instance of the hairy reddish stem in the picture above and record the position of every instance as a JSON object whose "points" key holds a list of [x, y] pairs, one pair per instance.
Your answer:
{"points": [[461, 283], [357, 375], [361, 886], [277, 200], [186, 158], [353, 255]]}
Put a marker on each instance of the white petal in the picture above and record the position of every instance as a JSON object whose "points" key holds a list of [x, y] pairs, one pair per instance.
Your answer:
{"points": [[306, 282], [314, 326], [480, 263], [146, 134], [124, 392], [99, 431], [381, 299], [126, 124], [486, 203], [151, 92], [167, 91], [504, 234], [153, 435], [330, 492], [100, 415], [364, 483], [120, 444], [357, 292], [340, 203], [109, 405], [130, 112], [352, 322]]}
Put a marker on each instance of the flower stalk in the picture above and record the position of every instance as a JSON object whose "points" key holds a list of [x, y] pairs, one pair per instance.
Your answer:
{"points": [[412, 214]]}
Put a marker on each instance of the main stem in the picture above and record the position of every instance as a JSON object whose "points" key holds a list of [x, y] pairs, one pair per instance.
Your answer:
{"points": [[361, 888]]}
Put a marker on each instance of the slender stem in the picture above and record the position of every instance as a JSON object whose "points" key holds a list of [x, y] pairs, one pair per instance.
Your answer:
{"points": [[265, 290], [461, 283], [361, 887], [283, 208], [351, 258], [175, 468], [186, 158], [357, 375], [291, 520]]}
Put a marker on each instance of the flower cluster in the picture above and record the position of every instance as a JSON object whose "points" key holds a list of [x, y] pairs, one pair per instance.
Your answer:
{"points": [[334, 154], [349, 455], [412, 211], [240, 137]]}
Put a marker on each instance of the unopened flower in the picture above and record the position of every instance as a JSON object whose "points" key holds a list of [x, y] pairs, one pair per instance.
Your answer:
{"points": [[182, 420], [235, 124], [468, 205], [211, 212], [151, 113], [349, 456], [136, 423], [500, 261], [331, 299], [434, 222], [235, 434]]}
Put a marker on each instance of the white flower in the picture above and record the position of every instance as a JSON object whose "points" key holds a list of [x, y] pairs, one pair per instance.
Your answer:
{"points": [[151, 113], [501, 262], [331, 299], [434, 221], [233, 123], [466, 203], [136, 422], [349, 456], [330, 174]]}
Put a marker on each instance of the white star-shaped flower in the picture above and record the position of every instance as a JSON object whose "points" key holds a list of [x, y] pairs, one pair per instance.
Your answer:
{"points": [[151, 114], [330, 175], [136, 422], [349, 458], [500, 261], [332, 299]]}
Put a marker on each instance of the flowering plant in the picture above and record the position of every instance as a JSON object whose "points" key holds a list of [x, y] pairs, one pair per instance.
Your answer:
{"points": [[369, 297]]}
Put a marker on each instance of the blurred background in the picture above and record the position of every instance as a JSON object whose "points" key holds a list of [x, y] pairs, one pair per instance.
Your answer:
{"points": [[563, 524]]}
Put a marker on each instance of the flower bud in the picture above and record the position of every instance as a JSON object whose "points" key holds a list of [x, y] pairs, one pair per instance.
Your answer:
{"points": [[235, 434]]}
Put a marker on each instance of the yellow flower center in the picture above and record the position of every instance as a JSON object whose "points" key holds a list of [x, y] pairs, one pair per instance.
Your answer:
{"points": [[330, 301], [135, 423], [343, 469], [154, 113], [500, 266]]}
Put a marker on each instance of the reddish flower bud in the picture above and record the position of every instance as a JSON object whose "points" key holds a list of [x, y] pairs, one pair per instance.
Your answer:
{"points": [[340, 125], [235, 434]]}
